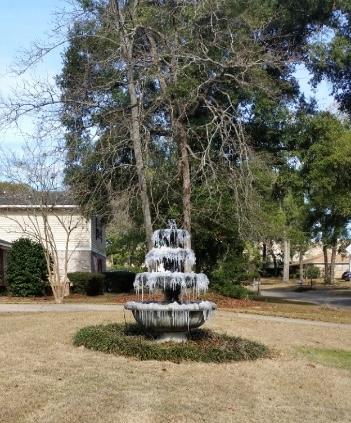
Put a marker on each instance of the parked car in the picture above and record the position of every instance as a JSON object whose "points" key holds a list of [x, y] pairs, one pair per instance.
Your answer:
{"points": [[346, 276]]}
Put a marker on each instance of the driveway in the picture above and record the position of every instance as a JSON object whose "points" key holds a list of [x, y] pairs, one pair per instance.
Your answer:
{"points": [[330, 297], [118, 308]]}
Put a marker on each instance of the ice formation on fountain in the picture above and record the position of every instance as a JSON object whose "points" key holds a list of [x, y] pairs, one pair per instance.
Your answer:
{"points": [[169, 266]]}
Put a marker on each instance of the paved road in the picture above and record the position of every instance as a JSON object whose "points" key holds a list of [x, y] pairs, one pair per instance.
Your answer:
{"points": [[316, 297], [66, 308]]}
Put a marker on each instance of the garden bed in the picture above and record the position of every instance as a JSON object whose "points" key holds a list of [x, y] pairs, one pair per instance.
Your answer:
{"points": [[203, 345]]}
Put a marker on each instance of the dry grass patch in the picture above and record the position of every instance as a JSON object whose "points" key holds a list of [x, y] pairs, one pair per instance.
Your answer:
{"points": [[45, 379], [298, 311]]}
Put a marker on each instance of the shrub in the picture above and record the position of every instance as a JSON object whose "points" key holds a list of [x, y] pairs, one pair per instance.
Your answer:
{"points": [[91, 284], [26, 273], [119, 281], [203, 345], [235, 270], [312, 272], [234, 291]]}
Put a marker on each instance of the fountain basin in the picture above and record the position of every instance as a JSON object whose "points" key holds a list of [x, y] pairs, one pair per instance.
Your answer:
{"points": [[171, 320]]}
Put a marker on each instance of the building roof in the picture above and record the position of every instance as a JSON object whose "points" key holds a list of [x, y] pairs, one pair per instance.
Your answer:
{"points": [[36, 199], [5, 244], [319, 259]]}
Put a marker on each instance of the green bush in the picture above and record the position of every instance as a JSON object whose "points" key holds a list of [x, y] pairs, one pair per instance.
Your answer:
{"points": [[234, 270], [234, 291], [203, 345], [91, 284], [26, 273], [312, 272], [119, 281]]}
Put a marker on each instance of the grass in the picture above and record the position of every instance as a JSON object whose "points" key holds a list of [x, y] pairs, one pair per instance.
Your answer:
{"points": [[297, 311], [340, 359], [203, 345], [46, 379]]}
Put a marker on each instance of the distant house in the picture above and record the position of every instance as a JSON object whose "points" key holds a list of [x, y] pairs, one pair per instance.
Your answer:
{"points": [[84, 247], [314, 256], [273, 258]]}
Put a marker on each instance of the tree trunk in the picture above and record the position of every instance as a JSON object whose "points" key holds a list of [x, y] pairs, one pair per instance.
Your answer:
{"points": [[127, 48], [186, 178], [332, 264], [275, 264], [183, 142], [301, 253], [264, 252], [326, 265], [136, 138], [286, 260]]}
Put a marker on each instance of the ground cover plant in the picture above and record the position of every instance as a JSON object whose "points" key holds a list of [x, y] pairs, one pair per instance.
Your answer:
{"points": [[204, 345]]}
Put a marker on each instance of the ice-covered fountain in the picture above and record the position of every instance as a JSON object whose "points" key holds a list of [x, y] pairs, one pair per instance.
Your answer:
{"points": [[169, 266]]}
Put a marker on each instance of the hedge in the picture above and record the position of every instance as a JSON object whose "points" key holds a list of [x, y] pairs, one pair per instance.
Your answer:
{"points": [[119, 281], [87, 283]]}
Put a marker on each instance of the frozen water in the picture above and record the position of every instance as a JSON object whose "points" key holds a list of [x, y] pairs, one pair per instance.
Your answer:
{"points": [[178, 258], [169, 266], [152, 313], [187, 306], [196, 283], [171, 238]]}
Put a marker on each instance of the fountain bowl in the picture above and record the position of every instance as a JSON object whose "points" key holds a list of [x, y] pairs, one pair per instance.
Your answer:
{"points": [[171, 321]]}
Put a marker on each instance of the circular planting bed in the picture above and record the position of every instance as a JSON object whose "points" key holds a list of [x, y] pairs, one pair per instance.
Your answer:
{"points": [[203, 345]]}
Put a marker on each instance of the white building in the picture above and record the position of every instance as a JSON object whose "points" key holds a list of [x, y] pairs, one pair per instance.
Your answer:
{"points": [[79, 239]]}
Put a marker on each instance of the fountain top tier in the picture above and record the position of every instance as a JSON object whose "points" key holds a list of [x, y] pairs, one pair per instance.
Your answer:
{"points": [[171, 237]]}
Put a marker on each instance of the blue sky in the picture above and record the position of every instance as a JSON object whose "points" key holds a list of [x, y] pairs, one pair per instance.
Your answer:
{"points": [[23, 21]]}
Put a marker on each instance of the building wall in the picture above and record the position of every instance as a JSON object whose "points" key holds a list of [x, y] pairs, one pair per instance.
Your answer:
{"points": [[78, 261], [15, 224], [340, 268], [86, 247]]}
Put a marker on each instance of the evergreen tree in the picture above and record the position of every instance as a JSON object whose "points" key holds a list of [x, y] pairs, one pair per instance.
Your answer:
{"points": [[26, 269]]}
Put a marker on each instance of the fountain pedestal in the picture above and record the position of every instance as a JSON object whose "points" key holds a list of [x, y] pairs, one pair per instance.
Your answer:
{"points": [[169, 264]]}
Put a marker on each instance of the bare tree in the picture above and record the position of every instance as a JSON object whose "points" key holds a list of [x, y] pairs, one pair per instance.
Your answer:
{"points": [[137, 52], [41, 210]]}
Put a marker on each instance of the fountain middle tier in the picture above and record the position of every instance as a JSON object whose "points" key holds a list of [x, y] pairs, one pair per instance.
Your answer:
{"points": [[151, 281], [168, 258]]}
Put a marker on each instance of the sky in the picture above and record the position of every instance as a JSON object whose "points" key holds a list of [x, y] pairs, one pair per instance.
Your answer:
{"points": [[23, 22]]}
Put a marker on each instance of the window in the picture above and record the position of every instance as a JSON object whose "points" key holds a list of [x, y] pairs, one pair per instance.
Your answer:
{"points": [[98, 229]]}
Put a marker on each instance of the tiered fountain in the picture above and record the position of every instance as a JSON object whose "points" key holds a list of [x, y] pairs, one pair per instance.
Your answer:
{"points": [[169, 266]]}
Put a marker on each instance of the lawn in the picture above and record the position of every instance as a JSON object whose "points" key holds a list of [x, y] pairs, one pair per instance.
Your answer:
{"points": [[328, 357], [44, 378]]}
